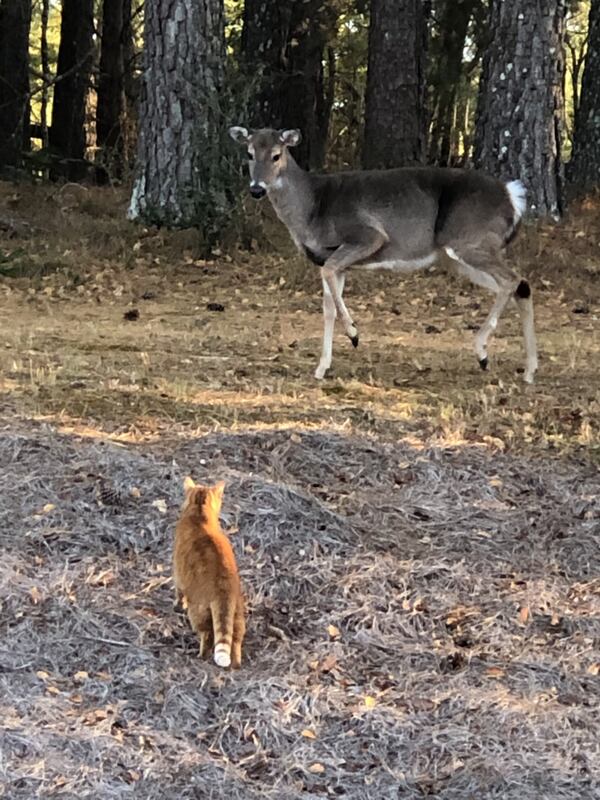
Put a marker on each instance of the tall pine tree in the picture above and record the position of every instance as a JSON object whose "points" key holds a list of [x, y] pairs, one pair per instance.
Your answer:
{"points": [[111, 107], [519, 116], [180, 175], [395, 118], [75, 60], [585, 165], [15, 19]]}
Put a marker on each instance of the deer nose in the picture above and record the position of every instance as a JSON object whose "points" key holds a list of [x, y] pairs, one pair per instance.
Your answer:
{"points": [[258, 190]]}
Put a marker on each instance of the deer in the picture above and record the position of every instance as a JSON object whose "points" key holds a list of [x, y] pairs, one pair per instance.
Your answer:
{"points": [[400, 219]]}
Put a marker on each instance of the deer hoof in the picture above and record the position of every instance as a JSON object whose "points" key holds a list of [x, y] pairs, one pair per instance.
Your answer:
{"points": [[354, 339], [320, 372], [483, 362]]}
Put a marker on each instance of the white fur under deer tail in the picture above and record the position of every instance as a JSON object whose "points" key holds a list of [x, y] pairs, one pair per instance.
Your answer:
{"points": [[517, 194]]}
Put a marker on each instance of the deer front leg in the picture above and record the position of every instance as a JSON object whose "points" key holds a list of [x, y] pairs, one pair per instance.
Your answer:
{"points": [[367, 242], [329, 315]]}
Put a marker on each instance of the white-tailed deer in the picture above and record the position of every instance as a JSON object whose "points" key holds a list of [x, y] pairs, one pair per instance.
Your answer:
{"points": [[398, 219]]}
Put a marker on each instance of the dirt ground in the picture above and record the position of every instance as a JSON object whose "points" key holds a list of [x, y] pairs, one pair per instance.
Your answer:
{"points": [[418, 540]]}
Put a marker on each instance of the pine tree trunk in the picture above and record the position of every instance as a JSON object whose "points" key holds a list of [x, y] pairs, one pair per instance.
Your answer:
{"points": [[15, 19], [283, 46], [395, 118], [585, 164], [180, 163], [75, 59], [519, 115], [110, 109]]}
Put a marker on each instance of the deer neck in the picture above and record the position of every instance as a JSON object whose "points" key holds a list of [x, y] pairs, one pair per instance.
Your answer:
{"points": [[292, 197]]}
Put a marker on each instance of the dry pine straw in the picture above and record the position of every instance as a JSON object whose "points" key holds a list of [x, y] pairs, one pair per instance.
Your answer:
{"points": [[423, 622]]}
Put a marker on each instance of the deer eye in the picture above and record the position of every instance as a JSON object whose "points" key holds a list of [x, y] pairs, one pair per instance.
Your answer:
{"points": [[277, 156], [250, 157]]}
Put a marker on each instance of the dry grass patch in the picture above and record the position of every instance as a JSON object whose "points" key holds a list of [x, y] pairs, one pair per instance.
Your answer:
{"points": [[423, 621]]}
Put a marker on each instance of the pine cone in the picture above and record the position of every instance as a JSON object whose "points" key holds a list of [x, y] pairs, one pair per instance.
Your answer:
{"points": [[108, 495]]}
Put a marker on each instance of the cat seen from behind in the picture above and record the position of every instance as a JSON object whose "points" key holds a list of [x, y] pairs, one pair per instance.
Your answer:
{"points": [[206, 577]]}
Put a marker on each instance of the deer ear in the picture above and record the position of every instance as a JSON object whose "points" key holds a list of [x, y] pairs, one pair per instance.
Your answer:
{"points": [[188, 485], [239, 134], [290, 138]]}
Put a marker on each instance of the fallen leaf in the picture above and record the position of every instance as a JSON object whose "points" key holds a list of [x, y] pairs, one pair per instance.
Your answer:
{"points": [[82, 675], [135, 492], [495, 672], [523, 614], [52, 690], [48, 507], [308, 734], [316, 769], [333, 632], [160, 504], [41, 674], [35, 595], [594, 669], [370, 702], [104, 578], [328, 662]]}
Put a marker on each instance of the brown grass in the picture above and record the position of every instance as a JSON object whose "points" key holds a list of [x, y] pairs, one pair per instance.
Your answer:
{"points": [[419, 540]]}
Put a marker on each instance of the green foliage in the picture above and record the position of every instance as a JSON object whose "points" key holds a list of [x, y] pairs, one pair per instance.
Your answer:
{"points": [[350, 50], [35, 55], [575, 52]]}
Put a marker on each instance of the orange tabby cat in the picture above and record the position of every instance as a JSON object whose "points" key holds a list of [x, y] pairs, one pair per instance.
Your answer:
{"points": [[206, 577]]}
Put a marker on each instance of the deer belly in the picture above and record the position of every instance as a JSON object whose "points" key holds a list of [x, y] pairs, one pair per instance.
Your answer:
{"points": [[401, 264]]}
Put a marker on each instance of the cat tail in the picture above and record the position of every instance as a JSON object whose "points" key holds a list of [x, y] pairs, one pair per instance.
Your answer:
{"points": [[223, 612]]}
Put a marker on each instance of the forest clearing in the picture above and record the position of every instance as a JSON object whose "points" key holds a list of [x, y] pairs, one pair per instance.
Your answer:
{"points": [[256, 543], [418, 539]]}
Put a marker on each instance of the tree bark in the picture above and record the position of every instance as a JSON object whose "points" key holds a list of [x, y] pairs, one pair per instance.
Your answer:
{"points": [[520, 106], [15, 20], [395, 116], [180, 164], [75, 59], [283, 45], [585, 165], [110, 108]]}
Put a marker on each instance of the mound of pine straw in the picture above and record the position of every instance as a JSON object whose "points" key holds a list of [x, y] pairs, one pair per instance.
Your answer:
{"points": [[423, 622]]}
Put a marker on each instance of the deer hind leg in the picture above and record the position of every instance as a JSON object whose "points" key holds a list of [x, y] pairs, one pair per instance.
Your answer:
{"points": [[329, 317], [484, 266], [525, 306]]}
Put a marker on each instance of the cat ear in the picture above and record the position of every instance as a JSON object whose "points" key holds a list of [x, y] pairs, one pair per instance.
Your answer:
{"points": [[188, 485], [217, 492]]}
